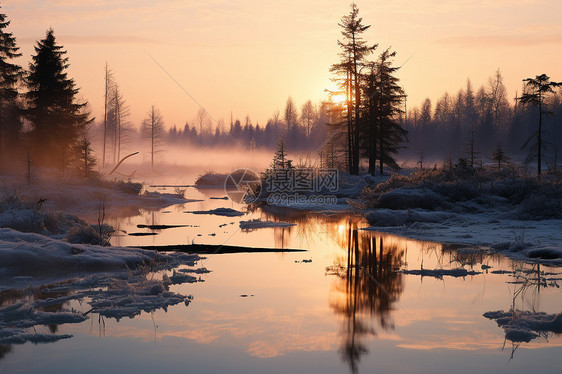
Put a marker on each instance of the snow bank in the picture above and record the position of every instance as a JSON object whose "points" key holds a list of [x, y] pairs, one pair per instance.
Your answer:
{"points": [[29, 254], [117, 295], [524, 326], [86, 199], [389, 217]]}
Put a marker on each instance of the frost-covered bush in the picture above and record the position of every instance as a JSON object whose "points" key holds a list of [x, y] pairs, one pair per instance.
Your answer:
{"points": [[545, 203], [10, 200], [514, 190], [395, 181], [401, 198], [133, 188], [459, 191], [211, 178], [59, 223], [84, 235], [28, 216]]}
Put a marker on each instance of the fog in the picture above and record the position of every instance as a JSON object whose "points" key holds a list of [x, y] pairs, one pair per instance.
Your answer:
{"points": [[182, 165]]}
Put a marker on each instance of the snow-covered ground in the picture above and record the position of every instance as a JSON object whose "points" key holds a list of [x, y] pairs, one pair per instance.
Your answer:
{"points": [[520, 218], [48, 252], [537, 241], [88, 201]]}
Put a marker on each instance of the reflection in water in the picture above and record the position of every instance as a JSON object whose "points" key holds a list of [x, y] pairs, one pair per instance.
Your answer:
{"points": [[520, 325], [368, 285], [4, 350], [34, 296]]}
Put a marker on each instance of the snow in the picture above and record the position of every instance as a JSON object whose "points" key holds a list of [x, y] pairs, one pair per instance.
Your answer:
{"points": [[259, 224], [76, 197], [524, 326], [519, 217], [52, 258], [131, 287], [536, 241], [390, 217], [35, 255]]}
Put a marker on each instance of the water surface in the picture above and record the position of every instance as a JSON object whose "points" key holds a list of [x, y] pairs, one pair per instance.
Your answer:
{"points": [[343, 306]]}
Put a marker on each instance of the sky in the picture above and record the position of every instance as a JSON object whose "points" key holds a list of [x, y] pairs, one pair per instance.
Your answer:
{"points": [[248, 56]]}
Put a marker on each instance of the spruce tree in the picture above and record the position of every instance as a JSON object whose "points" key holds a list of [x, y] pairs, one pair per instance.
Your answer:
{"points": [[536, 90], [499, 155], [85, 160], [57, 119], [10, 74], [354, 51], [383, 106], [280, 160]]}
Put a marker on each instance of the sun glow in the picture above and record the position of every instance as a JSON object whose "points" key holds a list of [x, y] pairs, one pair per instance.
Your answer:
{"points": [[338, 99]]}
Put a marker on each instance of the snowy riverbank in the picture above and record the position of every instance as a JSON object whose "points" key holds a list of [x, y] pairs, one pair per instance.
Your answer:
{"points": [[52, 270], [520, 218]]}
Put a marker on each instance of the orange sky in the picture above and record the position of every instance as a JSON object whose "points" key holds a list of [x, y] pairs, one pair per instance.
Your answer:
{"points": [[248, 56]]}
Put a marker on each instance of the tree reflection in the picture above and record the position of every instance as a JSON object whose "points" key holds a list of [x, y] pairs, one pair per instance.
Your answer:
{"points": [[520, 325], [368, 286]]}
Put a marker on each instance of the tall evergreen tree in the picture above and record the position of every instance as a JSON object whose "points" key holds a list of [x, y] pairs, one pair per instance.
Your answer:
{"points": [[354, 51], [385, 97], [536, 90], [57, 119], [280, 160], [85, 160], [10, 74]]}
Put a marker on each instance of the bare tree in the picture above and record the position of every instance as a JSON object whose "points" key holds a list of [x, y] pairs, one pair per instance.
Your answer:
{"points": [[498, 98], [108, 83], [153, 129], [308, 116], [202, 120], [118, 124]]}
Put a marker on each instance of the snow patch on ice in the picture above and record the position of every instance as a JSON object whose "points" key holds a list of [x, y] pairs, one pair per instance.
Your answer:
{"points": [[524, 326]]}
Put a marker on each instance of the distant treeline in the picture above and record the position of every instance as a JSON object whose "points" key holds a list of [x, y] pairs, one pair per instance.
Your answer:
{"points": [[302, 130], [472, 123]]}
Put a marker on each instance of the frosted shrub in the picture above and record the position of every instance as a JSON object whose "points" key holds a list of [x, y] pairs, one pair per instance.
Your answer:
{"points": [[83, 235]]}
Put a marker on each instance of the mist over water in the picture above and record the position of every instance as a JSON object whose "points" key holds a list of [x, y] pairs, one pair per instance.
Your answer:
{"points": [[182, 165]]}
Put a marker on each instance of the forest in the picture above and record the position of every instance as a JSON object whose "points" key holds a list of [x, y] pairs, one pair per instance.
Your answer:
{"points": [[365, 126]]}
